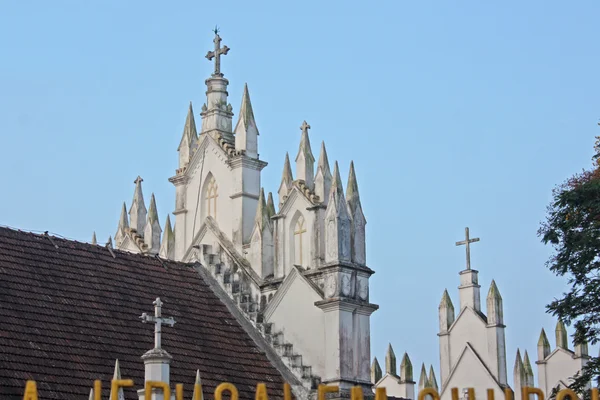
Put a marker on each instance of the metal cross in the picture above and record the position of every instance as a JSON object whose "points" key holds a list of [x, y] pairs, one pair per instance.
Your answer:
{"points": [[216, 54], [158, 321], [305, 127], [467, 242]]}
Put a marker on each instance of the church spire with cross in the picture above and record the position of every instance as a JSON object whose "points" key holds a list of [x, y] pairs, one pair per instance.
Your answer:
{"points": [[469, 283], [217, 113]]}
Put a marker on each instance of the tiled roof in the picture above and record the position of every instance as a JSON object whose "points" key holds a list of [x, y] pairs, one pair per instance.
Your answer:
{"points": [[67, 312]]}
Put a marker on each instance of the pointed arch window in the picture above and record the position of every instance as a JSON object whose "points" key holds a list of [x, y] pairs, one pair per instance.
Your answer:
{"points": [[212, 194], [300, 241]]}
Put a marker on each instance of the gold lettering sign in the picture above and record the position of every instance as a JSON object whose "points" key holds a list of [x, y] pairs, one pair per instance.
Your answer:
{"points": [[356, 392]]}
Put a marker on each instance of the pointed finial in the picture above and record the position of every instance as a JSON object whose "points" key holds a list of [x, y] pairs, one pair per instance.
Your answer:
{"points": [[352, 196], [94, 241], [152, 212], [432, 381], [527, 366], [190, 134], [198, 387], [336, 184], [446, 300], [406, 369], [109, 244], [562, 340], [494, 292], [543, 345], [167, 246], [117, 376], [323, 163], [376, 373], [262, 214], [304, 128], [217, 53], [519, 369], [137, 211], [246, 112], [423, 381], [123, 225], [390, 361], [271, 205], [287, 176]]}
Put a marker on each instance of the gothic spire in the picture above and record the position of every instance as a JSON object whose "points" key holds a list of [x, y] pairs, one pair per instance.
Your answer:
{"points": [[423, 381], [94, 240], [271, 205], [189, 138], [137, 211], [432, 381], [376, 373], [152, 230], [390, 361], [305, 161], [519, 370], [323, 176], [123, 226], [495, 312], [527, 368], [262, 218], [562, 340], [246, 132], [337, 191], [358, 219], [286, 180], [352, 196], [406, 369], [167, 247], [543, 346], [446, 312]]}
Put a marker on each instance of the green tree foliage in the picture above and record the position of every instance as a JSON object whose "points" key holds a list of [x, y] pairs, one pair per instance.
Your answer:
{"points": [[572, 227]]}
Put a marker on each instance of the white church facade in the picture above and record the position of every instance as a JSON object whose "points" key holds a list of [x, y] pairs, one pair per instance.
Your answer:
{"points": [[296, 265]]}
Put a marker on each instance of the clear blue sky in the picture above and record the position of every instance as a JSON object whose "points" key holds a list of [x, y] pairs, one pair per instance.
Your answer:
{"points": [[454, 114]]}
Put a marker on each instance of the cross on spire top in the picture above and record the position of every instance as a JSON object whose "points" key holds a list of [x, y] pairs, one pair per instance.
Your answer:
{"points": [[138, 180], [467, 242], [305, 127], [217, 52], [158, 321]]}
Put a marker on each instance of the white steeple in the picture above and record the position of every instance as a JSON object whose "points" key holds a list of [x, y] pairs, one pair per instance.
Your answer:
{"points": [[305, 161], [246, 132], [152, 231], [323, 176], [167, 247], [123, 227], [358, 246], [286, 180], [137, 211], [189, 139], [337, 222]]}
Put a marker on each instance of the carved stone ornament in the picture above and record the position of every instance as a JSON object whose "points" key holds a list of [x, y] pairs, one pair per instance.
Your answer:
{"points": [[331, 244], [331, 286], [345, 285], [363, 289]]}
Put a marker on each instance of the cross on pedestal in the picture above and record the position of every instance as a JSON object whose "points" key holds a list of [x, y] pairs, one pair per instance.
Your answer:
{"points": [[467, 242], [305, 127], [158, 321], [216, 54]]}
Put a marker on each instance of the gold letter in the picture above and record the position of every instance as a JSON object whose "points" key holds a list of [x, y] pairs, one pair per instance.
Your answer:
{"points": [[30, 391], [356, 393], [287, 392], [380, 394], [508, 394], [97, 389], [526, 391], [323, 389], [490, 393], [454, 392], [197, 392], [566, 392], [178, 392], [594, 393], [116, 384], [261, 392], [151, 385], [226, 386], [429, 391]]}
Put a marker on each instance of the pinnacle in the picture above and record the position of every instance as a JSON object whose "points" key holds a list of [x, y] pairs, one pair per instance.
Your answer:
{"points": [[167, 246], [423, 381], [336, 184], [561, 335], [323, 164], [527, 364], [406, 371], [168, 228], [123, 221], [152, 212], [446, 300], [304, 147], [390, 361], [519, 367], [262, 213], [543, 340], [494, 292], [352, 196], [94, 241], [375, 371], [271, 205], [431, 378], [91, 397], [246, 112], [287, 176]]}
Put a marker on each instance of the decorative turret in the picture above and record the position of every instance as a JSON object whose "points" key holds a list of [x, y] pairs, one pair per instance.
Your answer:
{"points": [[323, 176], [495, 315], [137, 211], [305, 161], [337, 222], [543, 346], [262, 253], [286, 181], [246, 132], [117, 376], [167, 247], [446, 312], [431, 378], [189, 139], [152, 230], [358, 219], [123, 227], [390, 361], [562, 339], [406, 369], [376, 373]]}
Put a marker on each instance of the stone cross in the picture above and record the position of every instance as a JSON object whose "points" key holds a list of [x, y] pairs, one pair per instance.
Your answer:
{"points": [[467, 242], [158, 321], [305, 127], [138, 180], [216, 54]]}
